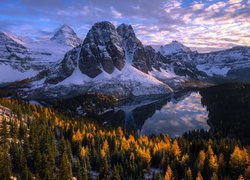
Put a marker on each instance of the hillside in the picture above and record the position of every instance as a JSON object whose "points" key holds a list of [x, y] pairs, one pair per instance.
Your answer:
{"points": [[49, 145]]}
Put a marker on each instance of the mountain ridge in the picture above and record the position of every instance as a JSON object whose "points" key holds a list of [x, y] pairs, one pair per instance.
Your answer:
{"points": [[113, 60]]}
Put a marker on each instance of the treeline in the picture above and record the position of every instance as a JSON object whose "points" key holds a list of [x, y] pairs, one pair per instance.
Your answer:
{"points": [[48, 145], [89, 104]]}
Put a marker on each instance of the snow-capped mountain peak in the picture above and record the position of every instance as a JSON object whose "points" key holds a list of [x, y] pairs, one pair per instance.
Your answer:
{"points": [[65, 35], [10, 45], [14, 38], [173, 48]]}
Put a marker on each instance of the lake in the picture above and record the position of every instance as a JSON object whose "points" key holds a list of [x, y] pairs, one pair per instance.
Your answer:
{"points": [[223, 109]]}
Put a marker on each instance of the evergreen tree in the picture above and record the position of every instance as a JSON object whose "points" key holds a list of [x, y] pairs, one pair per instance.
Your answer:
{"points": [[5, 164], [13, 130], [104, 172], [18, 159], [85, 168], [116, 173], [4, 133], [65, 172]]}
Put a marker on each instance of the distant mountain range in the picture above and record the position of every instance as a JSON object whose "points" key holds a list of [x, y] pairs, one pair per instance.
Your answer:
{"points": [[111, 60]]}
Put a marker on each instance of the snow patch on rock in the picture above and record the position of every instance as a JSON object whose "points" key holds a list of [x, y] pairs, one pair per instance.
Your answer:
{"points": [[214, 70]]}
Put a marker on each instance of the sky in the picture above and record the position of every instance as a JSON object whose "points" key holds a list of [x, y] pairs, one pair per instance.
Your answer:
{"points": [[203, 25]]}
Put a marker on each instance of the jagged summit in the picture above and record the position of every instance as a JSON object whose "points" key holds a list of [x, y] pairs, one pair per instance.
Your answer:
{"points": [[173, 48], [65, 35], [103, 25], [114, 61], [101, 50], [134, 49], [107, 49], [127, 31], [100, 64]]}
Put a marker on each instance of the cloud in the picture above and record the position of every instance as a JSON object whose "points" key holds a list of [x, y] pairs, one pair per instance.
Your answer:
{"points": [[202, 25], [234, 1], [115, 13], [197, 6]]}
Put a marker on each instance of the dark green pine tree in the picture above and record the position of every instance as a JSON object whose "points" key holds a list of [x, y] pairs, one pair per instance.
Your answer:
{"points": [[5, 164], [13, 130], [86, 167], [26, 174], [104, 172], [18, 158], [65, 172], [116, 173], [84, 170], [78, 169], [4, 134], [36, 157], [22, 133], [46, 172]]}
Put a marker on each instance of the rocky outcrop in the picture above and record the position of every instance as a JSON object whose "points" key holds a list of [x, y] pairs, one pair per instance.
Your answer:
{"points": [[65, 68], [101, 50], [155, 59], [134, 49]]}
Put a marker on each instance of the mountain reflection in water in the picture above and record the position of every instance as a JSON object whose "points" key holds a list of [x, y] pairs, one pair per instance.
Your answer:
{"points": [[177, 117], [172, 115], [224, 110]]}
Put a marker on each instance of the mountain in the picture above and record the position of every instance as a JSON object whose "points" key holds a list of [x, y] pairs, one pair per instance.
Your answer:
{"points": [[114, 61], [65, 35], [11, 48], [226, 65], [20, 59], [134, 49], [13, 57], [232, 64], [173, 48]]}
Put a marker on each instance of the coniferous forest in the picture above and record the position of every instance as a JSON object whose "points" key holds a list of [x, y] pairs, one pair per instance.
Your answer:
{"points": [[41, 143]]}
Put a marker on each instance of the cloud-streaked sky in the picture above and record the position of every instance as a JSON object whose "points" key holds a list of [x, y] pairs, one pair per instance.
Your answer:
{"points": [[203, 24]]}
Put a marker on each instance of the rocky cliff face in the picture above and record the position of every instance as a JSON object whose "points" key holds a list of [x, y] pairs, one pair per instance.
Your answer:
{"points": [[64, 69], [101, 50], [134, 49]]}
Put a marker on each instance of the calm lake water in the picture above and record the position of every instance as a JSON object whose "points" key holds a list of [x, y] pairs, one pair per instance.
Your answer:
{"points": [[178, 116], [223, 109], [173, 114]]}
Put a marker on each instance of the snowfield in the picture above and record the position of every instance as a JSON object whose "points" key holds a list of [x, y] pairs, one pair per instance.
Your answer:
{"points": [[8, 74], [128, 73], [214, 70], [128, 80]]}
